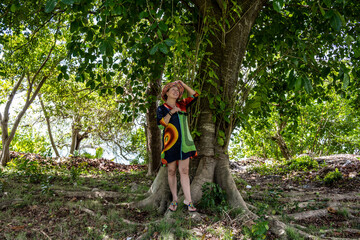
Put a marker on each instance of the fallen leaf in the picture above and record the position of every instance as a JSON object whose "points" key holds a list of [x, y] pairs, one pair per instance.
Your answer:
{"points": [[331, 210], [17, 228]]}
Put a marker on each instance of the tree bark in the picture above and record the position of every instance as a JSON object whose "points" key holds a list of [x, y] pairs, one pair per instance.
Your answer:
{"points": [[5, 155], [278, 138], [227, 50], [47, 118], [282, 145], [74, 133], [76, 136], [153, 134]]}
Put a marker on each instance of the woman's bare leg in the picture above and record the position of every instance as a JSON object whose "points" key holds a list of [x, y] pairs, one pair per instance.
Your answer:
{"points": [[172, 180], [185, 181]]}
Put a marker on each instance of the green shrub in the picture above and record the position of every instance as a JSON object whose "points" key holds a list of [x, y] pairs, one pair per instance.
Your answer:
{"points": [[75, 173], [213, 198], [31, 142], [46, 185], [257, 231], [303, 163], [31, 170], [332, 177]]}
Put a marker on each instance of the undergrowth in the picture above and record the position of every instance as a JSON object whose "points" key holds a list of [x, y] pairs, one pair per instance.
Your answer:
{"points": [[213, 199], [303, 163], [332, 177]]}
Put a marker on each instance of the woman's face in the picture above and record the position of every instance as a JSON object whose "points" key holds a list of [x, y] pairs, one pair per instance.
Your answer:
{"points": [[173, 92]]}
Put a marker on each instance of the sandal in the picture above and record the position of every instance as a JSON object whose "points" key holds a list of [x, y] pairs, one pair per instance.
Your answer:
{"points": [[190, 207], [174, 205]]}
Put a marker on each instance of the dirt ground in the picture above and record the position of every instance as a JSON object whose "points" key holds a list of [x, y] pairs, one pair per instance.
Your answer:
{"points": [[93, 205], [303, 200]]}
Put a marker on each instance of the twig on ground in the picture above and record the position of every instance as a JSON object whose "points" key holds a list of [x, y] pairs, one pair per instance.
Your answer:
{"points": [[45, 234]]}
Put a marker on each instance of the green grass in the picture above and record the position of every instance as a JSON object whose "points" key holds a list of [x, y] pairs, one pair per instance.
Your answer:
{"points": [[302, 164], [293, 235]]}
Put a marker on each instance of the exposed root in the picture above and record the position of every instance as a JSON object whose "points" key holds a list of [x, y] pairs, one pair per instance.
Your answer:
{"points": [[93, 194], [159, 193], [309, 214], [9, 203], [92, 213], [321, 213], [294, 197]]}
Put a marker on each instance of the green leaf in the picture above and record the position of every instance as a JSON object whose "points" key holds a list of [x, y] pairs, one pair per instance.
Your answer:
{"points": [[50, 5], [298, 84], [67, 2], [329, 14], [145, 40], [163, 48], [220, 141], [119, 90], [335, 22], [63, 69], [170, 42], [13, 8], [291, 80], [254, 105], [327, 3], [349, 39], [346, 81], [154, 49], [60, 77], [163, 27], [357, 53], [307, 85], [221, 133], [278, 4], [90, 84], [144, 14], [222, 105]]}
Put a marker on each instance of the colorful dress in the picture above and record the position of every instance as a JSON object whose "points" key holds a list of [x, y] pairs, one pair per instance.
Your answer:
{"points": [[177, 142]]}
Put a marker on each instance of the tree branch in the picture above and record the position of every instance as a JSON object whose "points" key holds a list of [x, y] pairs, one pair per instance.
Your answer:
{"points": [[37, 30], [48, 126], [11, 97]]}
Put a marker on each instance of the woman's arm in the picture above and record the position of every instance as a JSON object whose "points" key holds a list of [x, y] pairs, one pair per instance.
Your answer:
{"points": [[168, 116], [188, 89]]}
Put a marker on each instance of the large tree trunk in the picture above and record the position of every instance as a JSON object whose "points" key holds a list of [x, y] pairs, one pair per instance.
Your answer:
{"points": [[153, 134], [227, 51]]}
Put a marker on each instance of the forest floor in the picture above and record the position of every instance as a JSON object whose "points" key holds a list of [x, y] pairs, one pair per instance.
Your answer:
{"points": [[78, 198]]}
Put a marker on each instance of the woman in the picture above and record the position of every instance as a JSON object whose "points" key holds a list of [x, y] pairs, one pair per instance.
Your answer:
{"points": [[178, 145]]}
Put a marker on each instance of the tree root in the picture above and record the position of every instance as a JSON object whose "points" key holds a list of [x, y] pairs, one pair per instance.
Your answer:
{"points": [[103, 217], [93, 194], [9, 203], [352, 196], [309, 214]]}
